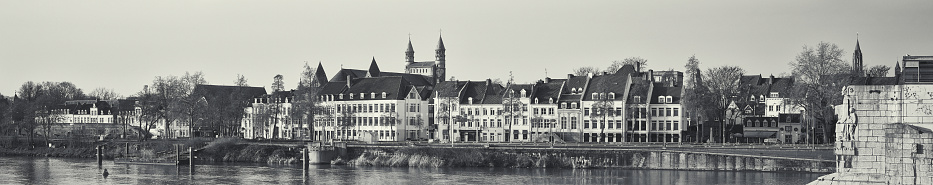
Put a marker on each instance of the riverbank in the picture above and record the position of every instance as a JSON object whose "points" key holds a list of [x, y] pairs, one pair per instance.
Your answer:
{"points": [[576, 158], [211, 150]]}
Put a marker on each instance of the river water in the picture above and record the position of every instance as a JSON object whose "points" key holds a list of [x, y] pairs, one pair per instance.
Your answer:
{"points": [[44, 170]]}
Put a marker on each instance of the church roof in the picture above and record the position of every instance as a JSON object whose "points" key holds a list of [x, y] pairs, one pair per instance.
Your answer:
{"points": [[319, 75], [440, 43], [424, 64], [373, 69], [414, 79], [410, 49]]}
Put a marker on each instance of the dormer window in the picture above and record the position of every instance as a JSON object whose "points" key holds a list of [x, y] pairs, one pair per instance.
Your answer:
{"points": [[761, 98], [550, 100], [595, 96], [612, 95], [573, 105], [524, 94], [602, 96], [341, 96], [351, 96], [563, 105], [383, 94], [774, 94], [536, 100], [470, 100], [670, 99], [362, 96], [752, 98], [661, 99], [372, 95], [637, 99]]}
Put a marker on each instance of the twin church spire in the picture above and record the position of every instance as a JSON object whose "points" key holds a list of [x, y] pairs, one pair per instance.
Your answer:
{"points": [[439, 53]]}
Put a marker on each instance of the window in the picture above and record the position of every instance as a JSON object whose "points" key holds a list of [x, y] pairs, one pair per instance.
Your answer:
{"points": [[667, 112], [586, 123], [536, 101], [573, 122], [372, 95], [470, 100], [602, 96], [362, 96], [573, 105], [661, 99], [670, 99], [595, 96], [586, 111], [774, 94], [612, 95], [550, 100], [412, 95], [637, 99], [676, 110], [676, 125], [654, 112], [563, 105], [535, 110], [752, 98], [761, 98], [383, 94]]}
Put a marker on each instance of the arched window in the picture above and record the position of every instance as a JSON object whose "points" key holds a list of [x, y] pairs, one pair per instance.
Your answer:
{"points": [[536, 100], [550, 100], [612, 95]]}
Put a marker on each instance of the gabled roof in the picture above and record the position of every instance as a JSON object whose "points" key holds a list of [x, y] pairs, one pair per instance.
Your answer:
{"points": [[661, 90], [549, 90], [212, 92], [614, 83], [874, 81], [414, 79], [449, 88]]}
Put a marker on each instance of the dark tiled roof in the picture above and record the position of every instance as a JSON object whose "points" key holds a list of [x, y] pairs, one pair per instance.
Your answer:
{"points": [[607, 83], [414, 79], [396, 88], [660, 90], [424, 64], [212, 92], [449, 88], [874, 81], [545, 91]]}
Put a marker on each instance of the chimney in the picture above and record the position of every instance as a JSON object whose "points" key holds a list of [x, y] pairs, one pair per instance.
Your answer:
{"points": [[590, 75], [771, 80], [569, 76], [547, 79], [349, 81], [488, 81], [651, 75]]}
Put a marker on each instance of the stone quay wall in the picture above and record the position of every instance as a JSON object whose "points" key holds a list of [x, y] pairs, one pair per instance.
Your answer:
{"points": [[577, 158], [883, 135]]}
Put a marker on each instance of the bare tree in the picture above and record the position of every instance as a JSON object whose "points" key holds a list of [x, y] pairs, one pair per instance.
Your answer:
{"points": [[601, 109], [638, 62], [104, 94], [722, 83], [165, 100], [583, 71], [305, 104], [241, 81], [878, 71], [820, 72]]}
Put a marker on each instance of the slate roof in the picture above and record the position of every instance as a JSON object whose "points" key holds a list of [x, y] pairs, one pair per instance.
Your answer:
{"points": [[661, 90], [414, 79], [607, 83], [545, 91], [74, 105], [212, 92], [424, 64], [874, 81]]}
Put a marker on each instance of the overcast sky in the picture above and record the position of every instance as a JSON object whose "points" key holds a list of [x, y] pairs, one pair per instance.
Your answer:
{"points": [[123, 45]]}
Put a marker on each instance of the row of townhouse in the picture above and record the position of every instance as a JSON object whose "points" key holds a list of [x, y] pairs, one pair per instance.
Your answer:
{"points": [[625, 106]]}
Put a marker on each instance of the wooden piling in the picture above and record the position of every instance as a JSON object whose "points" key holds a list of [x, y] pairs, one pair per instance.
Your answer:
{"points": [[190, 157], [100, 155]]}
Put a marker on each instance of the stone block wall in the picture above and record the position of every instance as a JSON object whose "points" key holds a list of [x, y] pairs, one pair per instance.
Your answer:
{"points": [[883, 135]]}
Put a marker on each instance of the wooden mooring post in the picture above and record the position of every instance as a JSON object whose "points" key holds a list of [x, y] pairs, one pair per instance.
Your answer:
{"points": [[100, 155], [190, 157]]}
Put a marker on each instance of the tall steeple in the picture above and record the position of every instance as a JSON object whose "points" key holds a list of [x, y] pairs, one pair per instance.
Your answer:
{"points": [[857, 65], [410, 53], [319, 77], [440, 62], [373, 69]]}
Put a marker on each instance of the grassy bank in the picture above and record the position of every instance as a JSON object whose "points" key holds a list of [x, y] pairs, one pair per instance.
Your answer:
{"points": [[235, 150]]}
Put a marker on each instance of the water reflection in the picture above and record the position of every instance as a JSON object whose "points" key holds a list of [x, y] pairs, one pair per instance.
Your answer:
{"points": [[25, 170]]}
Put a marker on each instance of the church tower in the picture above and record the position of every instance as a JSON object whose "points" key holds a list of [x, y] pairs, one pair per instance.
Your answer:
{"points": [[409, 54], [440, 62], [857, 65]]}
